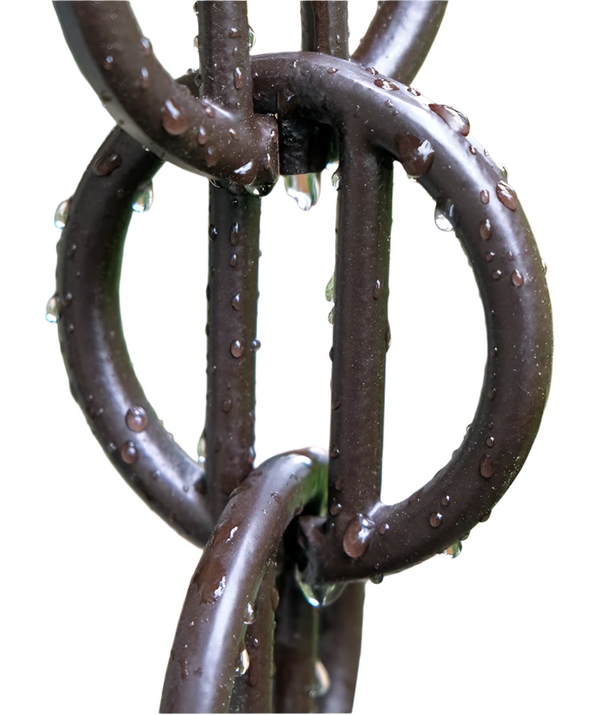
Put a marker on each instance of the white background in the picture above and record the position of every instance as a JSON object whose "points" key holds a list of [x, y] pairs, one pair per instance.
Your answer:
{"points": [[93, 581]]}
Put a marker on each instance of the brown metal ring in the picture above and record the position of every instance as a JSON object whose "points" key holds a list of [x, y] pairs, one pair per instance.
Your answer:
{"points": [[367, 537]]}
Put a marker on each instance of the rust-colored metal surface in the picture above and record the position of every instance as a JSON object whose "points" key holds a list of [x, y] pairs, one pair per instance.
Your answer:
{"points": [[289, 543]]}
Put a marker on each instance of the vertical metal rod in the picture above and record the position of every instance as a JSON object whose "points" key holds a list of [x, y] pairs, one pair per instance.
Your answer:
{"points": [[296, 639], [223, 46], [325, 28], [232, 294], [360, 336], [340, 630]]}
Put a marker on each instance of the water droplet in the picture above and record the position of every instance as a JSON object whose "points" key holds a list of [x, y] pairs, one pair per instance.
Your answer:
{"points": [[62, 213], [490, 441], [506, 195], [255, 345], [209, 110], [484, 195], [144, 78], [435, 519], [238, 78], [454, 550], [233, 260], [485, 229], [384, 528], [196, 42], [416, 155], [517, 278], [497, 274], [251, 455], [377, 578], [386, 84], [227, 406], [144, 199], [108, 63], [212, 156], [236, 302], [250, 614], [174, 120], [129, 453], [330, 289], [486, 466], [201, 449], [453, 118], [202, 135], [334, 453], [371, 70], [357, 536], [489, 257], [472, 149], [332, 70], [237, 348], [318, 595], [136, 419], [335, 179], [107, 163], [485, 517], [335, 508], [304, 189], [444, 214], [234, 234], [330, 319], [322, 680], [413, 91], [146, 46], [52, 309], [251, 38], [377, 290]]}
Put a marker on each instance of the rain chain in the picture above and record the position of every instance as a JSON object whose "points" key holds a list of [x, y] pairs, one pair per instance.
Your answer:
{"points": [[288, 544]]}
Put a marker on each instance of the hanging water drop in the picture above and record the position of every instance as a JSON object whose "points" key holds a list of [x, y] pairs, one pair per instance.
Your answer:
{"points": [[107, 163], [357, 536], [416, 155], [435, 519], [322, 680], [174, 121], [484, 195], [335, 179], [144, 199], [251, 38], [201, 449], [129, 453], [454, 550], [377, 578], [249, 614], [444, 214], [485, 229], [243, 664], [517, 279], [304, 189], [237, 348], [330, 289], [318, 595], [506, 195], [386, 84], [52, 309], [144, 78], [236, 302], [238, 78], [62, 213], [136, 419], [486, 466], [146, 46], [453, 118]]}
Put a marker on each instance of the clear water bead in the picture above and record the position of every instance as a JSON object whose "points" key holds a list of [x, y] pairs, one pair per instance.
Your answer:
{"points": [[62, 213], [144, 199], [304, 189]]}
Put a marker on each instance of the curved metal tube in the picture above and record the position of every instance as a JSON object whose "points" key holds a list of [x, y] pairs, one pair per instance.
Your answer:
{"points": [[101, 376], [160, 113], [211, 629], [494, 232], [400, 37]]}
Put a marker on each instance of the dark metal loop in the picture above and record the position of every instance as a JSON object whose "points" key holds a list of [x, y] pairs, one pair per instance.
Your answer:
{"points": [[364, 537]]}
